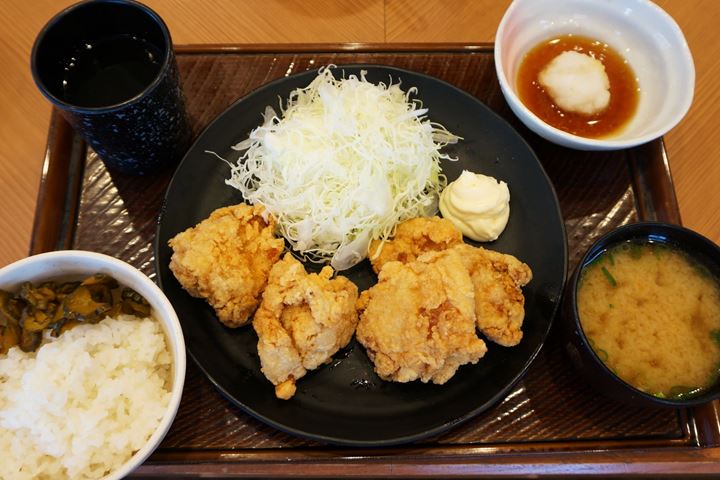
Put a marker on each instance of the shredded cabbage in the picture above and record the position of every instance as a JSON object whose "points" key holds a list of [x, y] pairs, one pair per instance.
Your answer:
{"points": [[344, 164]]}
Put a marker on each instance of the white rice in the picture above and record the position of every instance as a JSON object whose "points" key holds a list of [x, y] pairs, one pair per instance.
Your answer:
{"points": [[85, 402]]}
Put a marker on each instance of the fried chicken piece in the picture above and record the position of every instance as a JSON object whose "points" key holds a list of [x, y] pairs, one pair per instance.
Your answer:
{"points": [[413, 238], [303, 320], [418, 321], [498, 279], [226, 260]]}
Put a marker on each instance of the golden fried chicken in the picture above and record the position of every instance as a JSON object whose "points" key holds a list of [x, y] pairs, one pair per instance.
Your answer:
{"points": [[302, 321], [498, 279], [418, 321], [226, 259], [413, 238]]}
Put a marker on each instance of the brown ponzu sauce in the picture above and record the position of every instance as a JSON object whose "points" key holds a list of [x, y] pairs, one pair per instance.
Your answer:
{"points": [[624, 89]]}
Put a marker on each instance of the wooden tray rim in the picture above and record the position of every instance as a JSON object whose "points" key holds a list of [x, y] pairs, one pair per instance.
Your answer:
{"points": [[697, 452]]}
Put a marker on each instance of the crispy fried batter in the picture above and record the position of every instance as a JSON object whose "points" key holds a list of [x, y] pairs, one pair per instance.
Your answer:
{"points": [[302, 321], [497, 277], [499, 301], [226, 260], [413, 238], [418, 321]]}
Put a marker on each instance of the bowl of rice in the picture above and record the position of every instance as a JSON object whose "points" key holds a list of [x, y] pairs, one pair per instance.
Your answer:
{"points": [[96, 400]]}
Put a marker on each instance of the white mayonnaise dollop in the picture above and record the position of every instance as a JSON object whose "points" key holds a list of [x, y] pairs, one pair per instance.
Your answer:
{"points": [[577, 83], [478, 205]]}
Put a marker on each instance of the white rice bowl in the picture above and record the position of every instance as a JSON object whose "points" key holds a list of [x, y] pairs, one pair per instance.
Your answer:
{"points": [[85, 402]]}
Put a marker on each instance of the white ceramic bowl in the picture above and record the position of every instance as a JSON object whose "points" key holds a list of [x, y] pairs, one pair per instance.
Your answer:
{"points": [[639, 30], [76, 263]]}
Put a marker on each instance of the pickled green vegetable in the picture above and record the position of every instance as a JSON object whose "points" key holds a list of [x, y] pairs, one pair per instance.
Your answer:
{"points": [[58, 307]]}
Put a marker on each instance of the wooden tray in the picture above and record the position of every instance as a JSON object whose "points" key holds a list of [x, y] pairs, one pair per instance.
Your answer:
{"points": [[552, 423]]}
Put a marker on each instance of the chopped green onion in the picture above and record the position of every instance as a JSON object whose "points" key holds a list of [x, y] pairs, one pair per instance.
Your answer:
{"points": [[715, 336], [658, 250], [679, 392], [714, 375], [602, 354], [701, 270], [609, 277], [611, 258]]}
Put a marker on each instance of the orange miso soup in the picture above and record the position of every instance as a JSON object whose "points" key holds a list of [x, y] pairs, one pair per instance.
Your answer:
{"points": [[651, 313]]}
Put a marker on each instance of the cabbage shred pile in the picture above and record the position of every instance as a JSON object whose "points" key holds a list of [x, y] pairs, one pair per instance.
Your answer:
{"points": [[344, 163]]}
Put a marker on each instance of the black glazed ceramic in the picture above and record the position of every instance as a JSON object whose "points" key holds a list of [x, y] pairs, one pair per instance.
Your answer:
{"points": [[589, 365], [344, 402], [139, 135]]}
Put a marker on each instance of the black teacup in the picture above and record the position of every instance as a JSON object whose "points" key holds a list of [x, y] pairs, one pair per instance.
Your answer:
{"points": [[109, 67]]}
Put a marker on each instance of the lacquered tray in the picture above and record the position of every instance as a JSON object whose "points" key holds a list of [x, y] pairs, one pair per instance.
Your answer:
{"points": [[552, 422]]}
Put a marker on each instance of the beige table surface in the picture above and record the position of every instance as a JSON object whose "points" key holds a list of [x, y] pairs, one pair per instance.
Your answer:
{"points": [[24, 113]]}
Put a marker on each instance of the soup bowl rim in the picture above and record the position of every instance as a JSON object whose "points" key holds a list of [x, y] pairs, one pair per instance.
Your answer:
{"points": [[677, 236]]}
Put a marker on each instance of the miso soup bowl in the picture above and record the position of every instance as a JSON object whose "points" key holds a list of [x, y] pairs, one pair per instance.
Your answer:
{"points": [[644, 34], [591, 368]]}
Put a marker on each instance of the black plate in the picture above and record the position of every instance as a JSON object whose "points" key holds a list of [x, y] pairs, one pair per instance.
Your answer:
{"points": [[345, 402]]}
